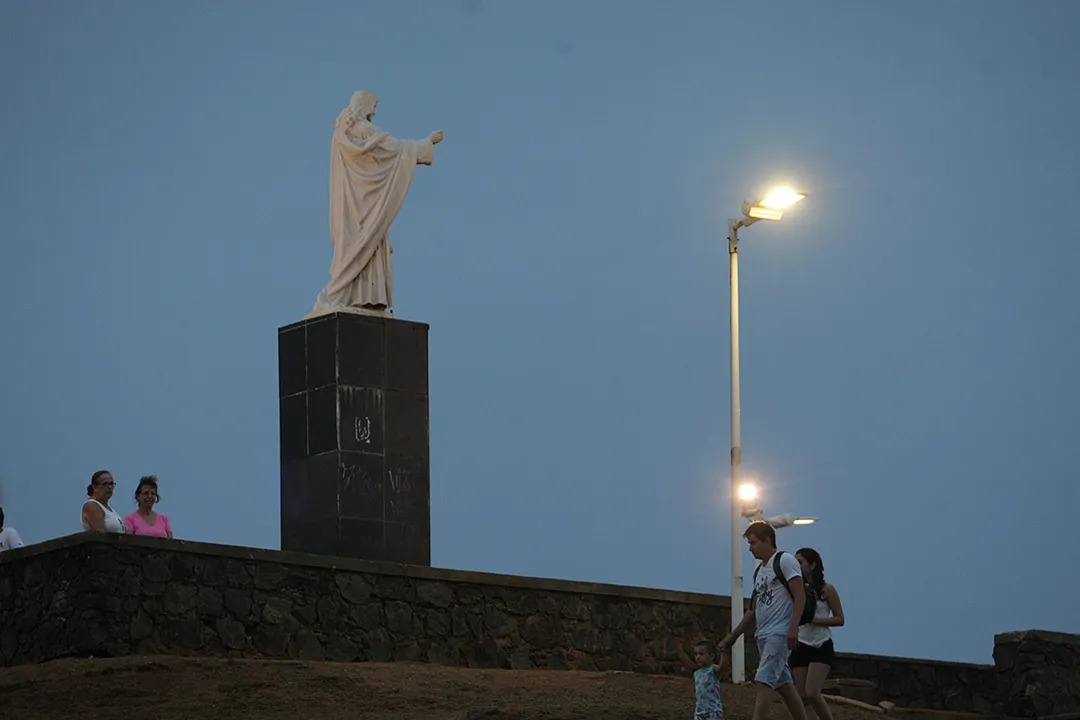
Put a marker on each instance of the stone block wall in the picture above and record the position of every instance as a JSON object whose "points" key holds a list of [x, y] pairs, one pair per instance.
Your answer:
{"points": [[117, 595], [112, 595], [1039, 673], [939, 685]]}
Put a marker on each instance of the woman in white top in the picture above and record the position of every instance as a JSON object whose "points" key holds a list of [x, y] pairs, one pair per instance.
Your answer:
{"points": [[96, 513], [9, 537], [812, 659]]}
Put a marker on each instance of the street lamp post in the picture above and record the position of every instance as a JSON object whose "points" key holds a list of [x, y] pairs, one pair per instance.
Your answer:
{"points": [[771, 208]]}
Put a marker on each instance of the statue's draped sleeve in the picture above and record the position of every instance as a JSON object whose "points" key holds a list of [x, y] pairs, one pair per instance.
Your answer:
{"points": [[370, 174], [368, 139]]}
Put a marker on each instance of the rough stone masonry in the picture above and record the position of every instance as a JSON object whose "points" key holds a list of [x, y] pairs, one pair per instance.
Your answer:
{"points": [[110, 595], [114, 595]]}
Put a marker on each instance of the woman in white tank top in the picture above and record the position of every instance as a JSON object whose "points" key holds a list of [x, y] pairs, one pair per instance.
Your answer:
{"points": [[812, 659], [96, 513]]}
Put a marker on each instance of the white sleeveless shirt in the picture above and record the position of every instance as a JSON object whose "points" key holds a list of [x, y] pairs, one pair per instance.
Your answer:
{"points": [[816, 635], [113, 522]]}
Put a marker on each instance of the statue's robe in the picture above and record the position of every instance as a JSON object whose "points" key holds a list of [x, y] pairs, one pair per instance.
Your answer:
{"points": [[370, 174]]}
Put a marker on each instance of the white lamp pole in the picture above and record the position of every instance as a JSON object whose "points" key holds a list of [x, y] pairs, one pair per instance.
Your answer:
{"points": [[738, 654], [771, 208]]}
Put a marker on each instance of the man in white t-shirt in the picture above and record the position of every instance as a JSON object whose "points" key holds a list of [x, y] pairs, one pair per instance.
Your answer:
{"points": [[776, 612], [9, 538]]}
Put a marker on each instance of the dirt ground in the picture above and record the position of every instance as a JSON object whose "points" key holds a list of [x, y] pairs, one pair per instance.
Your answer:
{"points": [[170, 688]]}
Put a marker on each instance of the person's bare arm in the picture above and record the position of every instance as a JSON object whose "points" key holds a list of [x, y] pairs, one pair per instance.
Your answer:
{"points": [[747, 620], [725, 662], [94, 516], [832, 598]]}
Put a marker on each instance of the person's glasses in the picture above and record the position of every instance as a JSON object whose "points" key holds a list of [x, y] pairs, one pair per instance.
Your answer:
{"points": [[106, 484]]}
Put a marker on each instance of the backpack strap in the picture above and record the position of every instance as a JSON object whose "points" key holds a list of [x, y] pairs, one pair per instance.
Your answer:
{"points": [[780, 573]]}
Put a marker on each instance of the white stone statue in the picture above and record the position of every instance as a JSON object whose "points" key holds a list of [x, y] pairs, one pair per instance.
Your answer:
{"points": [[370, 174]]}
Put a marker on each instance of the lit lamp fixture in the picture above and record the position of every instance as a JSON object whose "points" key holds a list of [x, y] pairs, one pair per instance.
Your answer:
{"points": [[747, 498], [773, 205], [748, 495], [786, 520]]}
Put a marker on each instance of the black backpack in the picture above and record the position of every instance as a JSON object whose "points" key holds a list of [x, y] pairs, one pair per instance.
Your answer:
{"points": [[810, 607]]}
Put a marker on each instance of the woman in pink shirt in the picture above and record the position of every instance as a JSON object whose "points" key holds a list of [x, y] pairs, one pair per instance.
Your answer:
{"points": [[145, 521]]}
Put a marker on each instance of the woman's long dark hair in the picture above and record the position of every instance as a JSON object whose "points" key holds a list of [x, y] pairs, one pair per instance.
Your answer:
{"points": [[817, 574]]}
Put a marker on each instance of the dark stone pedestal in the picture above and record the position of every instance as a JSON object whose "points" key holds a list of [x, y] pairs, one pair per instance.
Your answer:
{"points": [[354, 438]]}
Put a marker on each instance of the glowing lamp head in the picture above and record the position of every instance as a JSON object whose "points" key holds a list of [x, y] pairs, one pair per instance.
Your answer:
{"points": [[763, 213], [747, 492], [773, 205], [781, 198]]}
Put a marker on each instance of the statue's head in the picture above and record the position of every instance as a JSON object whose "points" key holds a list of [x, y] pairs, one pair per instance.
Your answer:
{"points": [[361, 107]]}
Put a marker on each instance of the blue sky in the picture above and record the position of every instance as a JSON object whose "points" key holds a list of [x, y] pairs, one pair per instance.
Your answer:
{"points": [[909, 334]]}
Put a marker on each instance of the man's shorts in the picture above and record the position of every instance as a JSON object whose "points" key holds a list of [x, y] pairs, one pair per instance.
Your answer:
{"points": [[772, 669]]}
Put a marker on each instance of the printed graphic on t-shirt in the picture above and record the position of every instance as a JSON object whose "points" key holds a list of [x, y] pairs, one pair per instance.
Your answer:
{"points": [[764, 589], [773, 605]]}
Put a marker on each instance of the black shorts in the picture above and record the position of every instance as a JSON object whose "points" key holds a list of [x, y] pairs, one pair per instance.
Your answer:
{"points": [[805, 654]]}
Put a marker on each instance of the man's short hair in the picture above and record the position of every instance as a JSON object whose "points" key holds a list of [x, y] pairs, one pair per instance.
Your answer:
{"points": [[762, 531]]}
